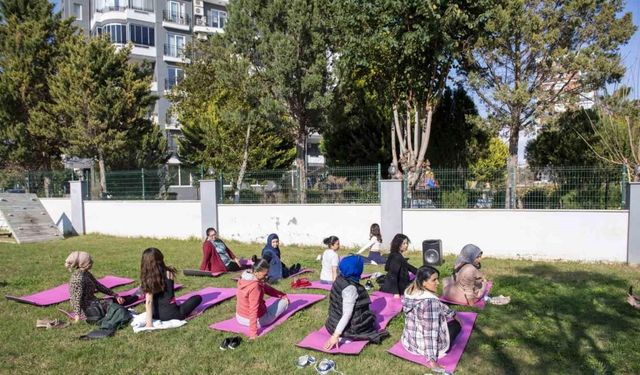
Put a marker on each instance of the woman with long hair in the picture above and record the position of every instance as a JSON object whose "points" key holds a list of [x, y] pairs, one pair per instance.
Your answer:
{"points": [[427, 329], [157, 281], [216, 255], [397, 267], [375, 241], [251, 310]]}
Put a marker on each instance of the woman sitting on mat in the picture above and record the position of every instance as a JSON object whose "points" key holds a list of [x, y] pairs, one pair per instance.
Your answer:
{"points": [[157, 284], [330, 260], [375, 240], [82, 289], [251, 311], [467, 285], [350, 314], [426, 329], [216, 256], [277, 269], [397, 267]]}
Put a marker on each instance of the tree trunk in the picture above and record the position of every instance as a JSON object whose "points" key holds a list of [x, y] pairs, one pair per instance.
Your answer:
{"points": [[301, 154], [47, 186], [243, 166], [103, 176], [512, 164]]}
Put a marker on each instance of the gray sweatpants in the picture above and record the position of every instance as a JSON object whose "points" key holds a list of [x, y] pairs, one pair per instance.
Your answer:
{"points": [[273, 312]]}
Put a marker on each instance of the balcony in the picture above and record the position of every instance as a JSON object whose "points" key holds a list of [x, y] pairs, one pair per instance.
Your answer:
{"points": [[171, 121], [175, 53], [169, 84], [142, 7], [112, 8], [202, 26], [178, 21]]}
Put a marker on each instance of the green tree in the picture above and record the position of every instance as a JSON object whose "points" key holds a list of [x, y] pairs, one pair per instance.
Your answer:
{"points": [[103, 103], [562, 142], [357, 132], [407, 50], [31, 36], [492, 166], [229, 122], [457, 139], [288, 46], [537, 54]]}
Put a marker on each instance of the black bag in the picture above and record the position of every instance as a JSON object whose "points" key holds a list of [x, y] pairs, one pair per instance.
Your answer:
{"points": [[380, 280], [95, 311], [98, 334]]}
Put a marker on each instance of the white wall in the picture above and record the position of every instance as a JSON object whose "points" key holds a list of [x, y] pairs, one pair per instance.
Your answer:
{"points": [[296, 224], [159, 219], [536, 234], [60, 211]]}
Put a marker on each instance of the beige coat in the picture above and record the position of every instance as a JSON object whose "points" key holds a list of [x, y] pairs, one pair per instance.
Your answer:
{"points": [[468, 288]]}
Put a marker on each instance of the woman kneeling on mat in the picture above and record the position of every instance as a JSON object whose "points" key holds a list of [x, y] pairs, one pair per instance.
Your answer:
{"points": [[251, 311], [277, 269], [157, 284], [426, 330], [350, 314], [83, 286], [467, 285], [397, 267], [375, 241], [216, 256], [330, 260]]}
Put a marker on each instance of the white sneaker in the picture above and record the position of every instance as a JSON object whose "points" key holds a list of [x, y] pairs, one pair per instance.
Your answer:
{"points": [[319, 257]]}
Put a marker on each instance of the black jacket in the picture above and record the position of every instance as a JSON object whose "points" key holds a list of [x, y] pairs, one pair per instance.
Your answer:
{"points": [[397, 278]]}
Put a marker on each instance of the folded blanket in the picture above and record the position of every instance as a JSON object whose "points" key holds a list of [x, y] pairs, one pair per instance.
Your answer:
{"points": [[139, 323]]}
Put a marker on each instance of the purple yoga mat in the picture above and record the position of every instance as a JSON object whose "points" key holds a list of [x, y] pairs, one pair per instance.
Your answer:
{"points": [[297, 302], [302, 271], [451, 360], [481, 304], [61, 293], [210, 297], [383, 305], [132, 291], [320, 285]]}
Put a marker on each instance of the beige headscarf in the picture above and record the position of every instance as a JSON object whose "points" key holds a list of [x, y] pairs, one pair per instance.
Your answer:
{"points": [[78, 260]]}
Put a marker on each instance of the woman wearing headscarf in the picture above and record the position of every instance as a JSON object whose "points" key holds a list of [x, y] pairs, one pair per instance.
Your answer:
{"points": [[350, 314], [467, 284], [277, 269], [83, 286]]}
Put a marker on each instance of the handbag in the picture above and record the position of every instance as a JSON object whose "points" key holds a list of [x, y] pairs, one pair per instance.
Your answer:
{"points": [[95, 311]]}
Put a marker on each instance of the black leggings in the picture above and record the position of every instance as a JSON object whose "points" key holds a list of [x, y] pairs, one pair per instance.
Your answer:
{"points": [[173, 311], [454, 330]]}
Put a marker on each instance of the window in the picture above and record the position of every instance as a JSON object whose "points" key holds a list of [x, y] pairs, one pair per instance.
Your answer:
{"points": [[175, 45], [145, 5], [110, 5], [77, 11], [174, 76], [142, 35], [217, 18], [117, 32]]}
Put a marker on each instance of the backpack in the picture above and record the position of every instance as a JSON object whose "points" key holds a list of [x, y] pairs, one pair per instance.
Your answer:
{"points": [[116, 317]]}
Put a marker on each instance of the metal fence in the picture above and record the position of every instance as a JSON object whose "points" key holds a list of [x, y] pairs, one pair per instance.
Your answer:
{"points": [[594, 188], [535, 188]]}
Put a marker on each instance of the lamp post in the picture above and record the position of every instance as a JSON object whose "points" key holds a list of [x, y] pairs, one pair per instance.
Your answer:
{"points": [[392, 171]]}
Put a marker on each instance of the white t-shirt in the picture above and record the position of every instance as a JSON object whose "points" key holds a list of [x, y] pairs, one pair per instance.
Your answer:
{"points": [[330, 259]]}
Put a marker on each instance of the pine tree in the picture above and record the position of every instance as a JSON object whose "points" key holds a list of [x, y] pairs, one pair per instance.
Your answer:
{"points": [[103, 103]]}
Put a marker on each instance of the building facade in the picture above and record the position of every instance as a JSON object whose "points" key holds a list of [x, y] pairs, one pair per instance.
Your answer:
{"points": [[159, 31]]}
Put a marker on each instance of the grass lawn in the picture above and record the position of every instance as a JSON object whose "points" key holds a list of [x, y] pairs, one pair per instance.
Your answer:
{"points": [[564, 318]]}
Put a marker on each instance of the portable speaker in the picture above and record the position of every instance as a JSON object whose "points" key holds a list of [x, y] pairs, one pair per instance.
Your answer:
{"points": [[432, 253]]}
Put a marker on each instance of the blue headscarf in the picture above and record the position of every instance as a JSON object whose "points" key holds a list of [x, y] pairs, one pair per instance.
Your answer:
{"points": [[351, 267], [269, 248]]}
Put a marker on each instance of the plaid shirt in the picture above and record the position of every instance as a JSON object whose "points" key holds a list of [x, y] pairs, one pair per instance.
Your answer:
{"points": [[425, 325]]}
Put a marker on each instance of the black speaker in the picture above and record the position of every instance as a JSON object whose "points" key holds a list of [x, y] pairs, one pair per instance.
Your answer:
{"points": [[432, 253]]}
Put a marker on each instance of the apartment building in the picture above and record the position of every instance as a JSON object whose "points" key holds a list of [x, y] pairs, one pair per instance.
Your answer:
{"points": [[159, 31]]}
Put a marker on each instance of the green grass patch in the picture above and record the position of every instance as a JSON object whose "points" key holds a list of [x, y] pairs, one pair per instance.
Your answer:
{"points": [[564, 318]]}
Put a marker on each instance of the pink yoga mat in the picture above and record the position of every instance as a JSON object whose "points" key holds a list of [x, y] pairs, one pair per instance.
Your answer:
{"points": [[72, 315], [61, 293], [383, 305], [302, 271], [481, 304], [297, 302], [320, 285], [450, 361], [210, 297]]}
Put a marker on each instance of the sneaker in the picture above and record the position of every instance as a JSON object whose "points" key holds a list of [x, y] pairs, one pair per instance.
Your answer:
{"points": [[319, 257], [325, 366], [234, 342], [225, 343], [368, 285], [305, 360]]}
